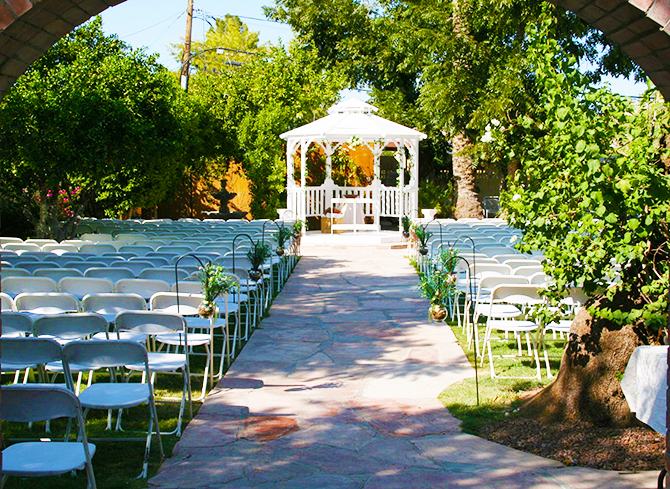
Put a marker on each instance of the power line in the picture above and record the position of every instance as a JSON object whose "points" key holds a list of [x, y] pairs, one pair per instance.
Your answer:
{"points": [[155, 25], [168, 28]]}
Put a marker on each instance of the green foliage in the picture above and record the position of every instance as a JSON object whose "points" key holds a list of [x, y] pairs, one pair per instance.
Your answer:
{"points": [[434, 195], [228, 32], [214, 281], [593, 190], [444, 67], [91, 113], [258, 254], [406, 223], [255, 103], [297, 228], [283, 235], [421, 234]]}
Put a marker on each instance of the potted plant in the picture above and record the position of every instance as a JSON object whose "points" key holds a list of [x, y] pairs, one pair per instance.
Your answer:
{"points": [[257, 256], [422, 237], [406, 226], [213, 282], [283, 235], [437, 287]]}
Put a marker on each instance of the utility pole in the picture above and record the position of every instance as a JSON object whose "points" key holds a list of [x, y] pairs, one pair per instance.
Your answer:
{"points": [[186, 60]]}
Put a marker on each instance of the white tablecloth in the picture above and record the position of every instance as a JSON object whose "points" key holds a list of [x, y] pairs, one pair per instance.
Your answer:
{"points": [[645, 385]]}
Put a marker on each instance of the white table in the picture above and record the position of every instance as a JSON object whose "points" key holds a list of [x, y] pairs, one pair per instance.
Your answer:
{"points": [[645, 385]]}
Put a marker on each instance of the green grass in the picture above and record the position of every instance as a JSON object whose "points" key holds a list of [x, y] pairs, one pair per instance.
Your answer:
{"points": [[498, 397]]}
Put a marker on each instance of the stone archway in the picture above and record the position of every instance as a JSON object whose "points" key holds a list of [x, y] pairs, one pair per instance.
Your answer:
{"points": [[29, 27]]}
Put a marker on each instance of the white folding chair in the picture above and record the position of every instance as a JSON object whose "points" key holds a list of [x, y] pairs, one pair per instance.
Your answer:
{"points": [[114, 355], [165, 274], [508, 322], [14, 272], [65, 329], [21, 353], [186, 305], [28, 403], [16, 325], [166, 330]]}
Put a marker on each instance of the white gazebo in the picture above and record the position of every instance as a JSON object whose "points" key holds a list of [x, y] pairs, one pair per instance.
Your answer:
{"points": [[354, 123]]}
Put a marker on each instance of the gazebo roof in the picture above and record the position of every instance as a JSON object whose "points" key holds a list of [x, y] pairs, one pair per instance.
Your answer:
{"points": [[353, 118]]}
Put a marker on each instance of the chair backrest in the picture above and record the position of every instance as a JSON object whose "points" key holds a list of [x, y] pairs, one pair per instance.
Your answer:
{"points": [[32, 267], [139, 250], [522, 263], [46, 302], [97, 238], [18, 285], [27, 351], [136, 266], [527, 271], [61, 260], [156, 261], [16, 324], [113, 303], [492, 281], [538, 278], [509, 256], [493, 250], [7, 302], [113, 274], [164, 274], [81, 286], [82, 266], [70, 326], [517, 294], [97, 248], [25, 403], [58, 273], [14, 272], [9, 239], [105, 354], [188, 287], [167, 301], [59, 247], [149, 322], [480, 268], [21, 247], [144, 287]]}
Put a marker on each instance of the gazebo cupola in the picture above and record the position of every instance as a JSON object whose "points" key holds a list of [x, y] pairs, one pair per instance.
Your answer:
{"points": [[353, 123]]}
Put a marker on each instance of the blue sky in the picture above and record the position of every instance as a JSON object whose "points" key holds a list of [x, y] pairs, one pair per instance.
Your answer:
{"points": [[155, 24]]}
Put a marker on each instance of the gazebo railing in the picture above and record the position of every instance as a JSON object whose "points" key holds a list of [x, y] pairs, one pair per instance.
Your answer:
{"points": [[313, 201]]}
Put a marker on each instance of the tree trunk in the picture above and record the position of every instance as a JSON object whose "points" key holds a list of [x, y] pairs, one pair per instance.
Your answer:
{"points": [[467, 200], [588, 386]]}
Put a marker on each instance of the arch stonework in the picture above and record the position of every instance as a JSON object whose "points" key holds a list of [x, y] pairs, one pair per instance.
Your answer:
{"points": [[29, 27]]}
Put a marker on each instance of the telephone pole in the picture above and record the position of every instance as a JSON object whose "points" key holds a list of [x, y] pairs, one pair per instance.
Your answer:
{"points": [[186, 60]]}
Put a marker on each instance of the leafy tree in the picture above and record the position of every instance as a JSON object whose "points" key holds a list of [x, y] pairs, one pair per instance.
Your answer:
{"points": [[229, 33], [592, 192], [454, 63], [257, 102], [94, 115]]}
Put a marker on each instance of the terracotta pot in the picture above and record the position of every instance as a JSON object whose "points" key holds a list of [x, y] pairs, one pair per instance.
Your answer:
{"points": [[438, 312], [255, 275], [206, 309]]}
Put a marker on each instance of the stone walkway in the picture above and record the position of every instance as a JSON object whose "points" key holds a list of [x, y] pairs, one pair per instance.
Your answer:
{"points": [[338, 389]]}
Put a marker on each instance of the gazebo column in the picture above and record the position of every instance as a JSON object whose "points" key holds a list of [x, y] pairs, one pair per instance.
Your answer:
{"points": [[328, 184], [378, 148], [303, 183], [402, 163]]}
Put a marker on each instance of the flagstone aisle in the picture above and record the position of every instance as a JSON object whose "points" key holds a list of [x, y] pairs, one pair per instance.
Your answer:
{"points": [[338, 389]]}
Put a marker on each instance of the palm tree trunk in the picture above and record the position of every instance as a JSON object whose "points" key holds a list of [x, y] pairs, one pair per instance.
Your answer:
{"points": [[467, 200]]}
